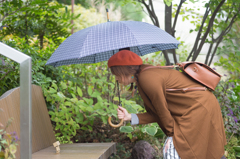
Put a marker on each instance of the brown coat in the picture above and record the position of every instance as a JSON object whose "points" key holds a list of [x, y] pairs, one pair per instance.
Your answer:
{"points": [[194, 119]]}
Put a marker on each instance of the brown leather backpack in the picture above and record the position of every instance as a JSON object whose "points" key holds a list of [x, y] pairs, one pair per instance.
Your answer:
{"points": [[199, 72]]}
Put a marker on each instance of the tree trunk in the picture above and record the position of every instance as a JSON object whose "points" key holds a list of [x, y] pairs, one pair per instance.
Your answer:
{"points": [[26, 28], [41, 35], [168, 29]]}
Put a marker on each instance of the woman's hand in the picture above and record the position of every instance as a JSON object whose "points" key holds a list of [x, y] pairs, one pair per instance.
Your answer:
{"points": [[123, 114]]}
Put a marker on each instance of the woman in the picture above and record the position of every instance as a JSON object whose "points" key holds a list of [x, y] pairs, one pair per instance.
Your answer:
{"points": [[191, 120]]}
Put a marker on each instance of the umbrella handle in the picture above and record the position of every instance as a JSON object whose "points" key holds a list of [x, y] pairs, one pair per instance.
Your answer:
{"points": [[112, 125]]}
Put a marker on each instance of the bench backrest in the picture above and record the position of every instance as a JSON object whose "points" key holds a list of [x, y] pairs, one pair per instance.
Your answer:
{"points": [[42, 131]]}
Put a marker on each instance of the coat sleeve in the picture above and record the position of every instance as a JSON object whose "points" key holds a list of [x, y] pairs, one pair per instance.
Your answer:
{"points": [[148, 117], [154, 90]]}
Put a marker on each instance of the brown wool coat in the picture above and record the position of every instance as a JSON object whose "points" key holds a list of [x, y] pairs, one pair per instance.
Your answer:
{"points": [[193, 119]]}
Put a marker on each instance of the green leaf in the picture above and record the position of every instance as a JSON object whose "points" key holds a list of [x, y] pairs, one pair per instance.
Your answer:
{"points": [[80, 116], [160, 134], [104, 119], [143, 129], [152, 130], [95, 94], [130, 109], [89, 90], [130, 135], [64, 86], [60, 94], [79, 91], [126, 129], [237, 148], [51, 90], [238, 154], [67, 103], [90, 128], [90, 109], [84, 128]]}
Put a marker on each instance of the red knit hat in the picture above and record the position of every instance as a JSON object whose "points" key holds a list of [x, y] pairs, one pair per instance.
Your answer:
{"points": [[123, 58]]}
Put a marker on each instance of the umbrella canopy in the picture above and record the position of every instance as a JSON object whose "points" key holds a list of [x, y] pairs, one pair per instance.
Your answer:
{"points": [[100, 42]]}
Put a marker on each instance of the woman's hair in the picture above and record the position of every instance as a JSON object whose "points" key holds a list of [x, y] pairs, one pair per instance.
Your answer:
{"points": [[124, 71]]}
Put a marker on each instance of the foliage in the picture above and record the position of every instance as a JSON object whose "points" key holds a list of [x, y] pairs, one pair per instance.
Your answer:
{"points": [[43, 21], [231, 62], [41, 75], [8, 142], [12, 8], [81, 97], [231, 147], [237, 150], [229, 101], [83, 21], [84, 3], [121, 152], [229, 91], [76, 112], [211, 28]]}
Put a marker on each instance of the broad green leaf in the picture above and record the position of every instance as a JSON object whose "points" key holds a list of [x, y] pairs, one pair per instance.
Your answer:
{"points": [[64, 86], [55, 86], [237, 148], [51, 90], [90, 128], [84, 128], [84, 123], [104, 119], [152, 130], [143, 129], [130, 109], [126, 129], [60, 94], [238, 154], [102, 112], [90, 90], [95, 94], [88, 101], [68, 103], [160, 134], [79, 91], [90, 109], [130, 135], [80, 116]]}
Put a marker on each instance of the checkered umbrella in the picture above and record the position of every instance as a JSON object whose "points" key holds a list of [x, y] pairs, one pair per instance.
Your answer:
{"points": [[100, 42]]}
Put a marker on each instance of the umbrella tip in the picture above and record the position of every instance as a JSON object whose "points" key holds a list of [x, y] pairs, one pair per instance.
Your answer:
{"points": [[107, 15]]}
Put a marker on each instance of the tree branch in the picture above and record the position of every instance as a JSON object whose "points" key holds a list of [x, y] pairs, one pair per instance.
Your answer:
{"points": [[215, 49], [208, 54], [150, 12], [166, 57], [176, 17], [153, 12], [210, 24], [199, 32]]}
